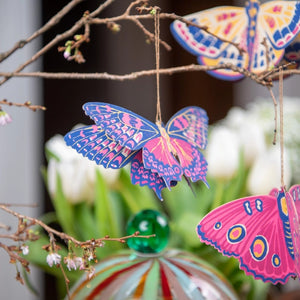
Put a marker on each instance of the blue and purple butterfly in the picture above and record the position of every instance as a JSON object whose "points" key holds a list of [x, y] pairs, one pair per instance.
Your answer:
{"points": [[159, 155], [263, 32], [262, 232]]}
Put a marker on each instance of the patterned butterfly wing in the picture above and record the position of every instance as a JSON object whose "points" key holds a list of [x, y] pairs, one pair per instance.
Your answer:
{"points": [[281, 21], [263, 55], [176, 151], [225, 22], [293, 202], [158, 157], [190, 124], [144, 177], [252, 230], [187, 130], [127, 128], [92, 142], [295, 194], [276, 28]]}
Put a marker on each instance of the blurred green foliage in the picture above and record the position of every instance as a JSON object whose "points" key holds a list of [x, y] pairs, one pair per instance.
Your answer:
{"points": [[114, 206]]}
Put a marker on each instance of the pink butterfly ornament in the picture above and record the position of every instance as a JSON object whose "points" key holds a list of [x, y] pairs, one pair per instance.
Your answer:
{"points": [[262, 232], [262, 31], [159, 155]]}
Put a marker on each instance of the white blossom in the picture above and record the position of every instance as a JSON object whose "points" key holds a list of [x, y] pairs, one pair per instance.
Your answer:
{"points": [[263, 109], [53, 259], [77, 173], [265, 173], [25, 249], [5, 118], [70, 263], [73, 263], [250, 135], [222, 153]]}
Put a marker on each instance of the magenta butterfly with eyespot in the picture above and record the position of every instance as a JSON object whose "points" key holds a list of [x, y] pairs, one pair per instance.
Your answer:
{"points": [[159, 155], [262, 232], [262, 31]]}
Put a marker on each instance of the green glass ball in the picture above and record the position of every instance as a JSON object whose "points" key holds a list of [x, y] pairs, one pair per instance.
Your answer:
{"points": [[148, 222]]}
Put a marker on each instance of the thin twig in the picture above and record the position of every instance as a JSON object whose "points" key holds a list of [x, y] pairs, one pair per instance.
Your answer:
{"points": [[14, 256], [65, 236], [4, 226], [53, 21], [135, 75], [59, 38], [25, 104]]}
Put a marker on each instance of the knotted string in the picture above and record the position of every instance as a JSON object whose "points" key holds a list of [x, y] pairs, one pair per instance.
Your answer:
{"points": [[157, 59]]}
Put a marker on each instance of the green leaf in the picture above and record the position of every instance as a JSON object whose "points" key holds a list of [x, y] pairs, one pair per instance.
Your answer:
{"points": [[183, 228], [105, 209], [136, 198], [85, 224], [64, 209]]}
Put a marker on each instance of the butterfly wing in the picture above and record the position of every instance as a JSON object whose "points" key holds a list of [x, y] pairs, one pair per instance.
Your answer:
{"points": [[176, 152], [281, 22], [226, 22], [92, 142], [251, 230], [263, 56], [295, 194], [127, 128], [158, 158], [293, 202], [142, 176], [229, 56], [189, 124], [188, 132]]}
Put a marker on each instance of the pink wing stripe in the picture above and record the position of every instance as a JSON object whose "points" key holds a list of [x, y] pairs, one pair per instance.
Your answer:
{"points": [[158, 158], [191, 160]]}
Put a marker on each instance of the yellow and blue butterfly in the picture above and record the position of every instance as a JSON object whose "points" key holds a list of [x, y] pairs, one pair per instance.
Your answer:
{"points": [[263, 32]]}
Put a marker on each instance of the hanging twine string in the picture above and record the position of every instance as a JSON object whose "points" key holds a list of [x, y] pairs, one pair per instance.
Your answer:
{"points": [[275, 114], [157, 59], [281, 126]]}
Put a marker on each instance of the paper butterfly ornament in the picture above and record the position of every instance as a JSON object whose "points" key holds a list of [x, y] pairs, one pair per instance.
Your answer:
{"points": [[159, 155], [292, 52], [262, 31], [262, 232]]}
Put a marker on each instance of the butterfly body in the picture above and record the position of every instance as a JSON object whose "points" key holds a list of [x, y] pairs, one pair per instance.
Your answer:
{"points": [[160, 155], [261, 31], [258, 231]]}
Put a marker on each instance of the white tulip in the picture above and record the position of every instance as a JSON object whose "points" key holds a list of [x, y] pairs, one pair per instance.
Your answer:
{"points": [[77, 173], [222, 153], [252, 141], [265, 173], [250, 134]]}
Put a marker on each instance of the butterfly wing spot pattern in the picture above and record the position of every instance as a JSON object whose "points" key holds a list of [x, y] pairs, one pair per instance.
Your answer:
{"points": [[253, 230], [265, 32], [159, 155]]}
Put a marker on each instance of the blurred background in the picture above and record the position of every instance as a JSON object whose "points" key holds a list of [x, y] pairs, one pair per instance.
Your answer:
{"points": [[22, 141]]}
